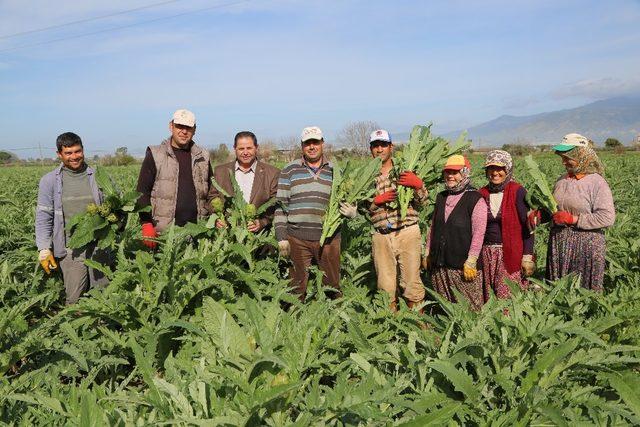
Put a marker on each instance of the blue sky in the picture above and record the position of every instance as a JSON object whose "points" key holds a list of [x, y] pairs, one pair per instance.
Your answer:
{"points": [[276, 66]]}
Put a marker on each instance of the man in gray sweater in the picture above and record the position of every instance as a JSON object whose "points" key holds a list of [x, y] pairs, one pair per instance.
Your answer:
{"points": [[62, 194]]}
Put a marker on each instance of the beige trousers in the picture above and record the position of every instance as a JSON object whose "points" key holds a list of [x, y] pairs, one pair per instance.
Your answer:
{"points": [[399, 251]]}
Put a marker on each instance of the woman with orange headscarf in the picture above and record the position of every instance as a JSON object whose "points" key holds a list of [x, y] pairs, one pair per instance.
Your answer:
{"points": [[456, 235]]}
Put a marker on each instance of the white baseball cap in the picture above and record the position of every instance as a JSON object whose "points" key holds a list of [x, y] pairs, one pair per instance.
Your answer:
{"points": [[380, 135], [571, 141], [311, 132], [184, 117]]}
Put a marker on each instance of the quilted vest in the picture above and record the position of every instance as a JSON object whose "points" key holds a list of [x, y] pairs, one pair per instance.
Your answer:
{"points": [[165, 187]]}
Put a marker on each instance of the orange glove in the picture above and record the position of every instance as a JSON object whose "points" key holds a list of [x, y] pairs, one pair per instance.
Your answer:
{"points": [[47, 261], [411, 180], [564, 217], [149, 232], [386, 197], [469, 269]]}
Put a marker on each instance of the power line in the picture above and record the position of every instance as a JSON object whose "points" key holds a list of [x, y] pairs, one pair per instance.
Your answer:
{"points": [[107, 30], [82, 21], [40, 146]]}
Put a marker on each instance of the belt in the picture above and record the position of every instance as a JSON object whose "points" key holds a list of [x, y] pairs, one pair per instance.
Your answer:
{"points": [[392, 230]]}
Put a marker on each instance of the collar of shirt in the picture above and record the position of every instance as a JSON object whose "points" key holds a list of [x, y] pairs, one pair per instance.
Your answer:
{"points": [[323, 162], [252, 168]]}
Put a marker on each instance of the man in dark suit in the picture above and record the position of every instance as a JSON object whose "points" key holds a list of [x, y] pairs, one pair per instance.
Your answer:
{"points": [[257, 180]]}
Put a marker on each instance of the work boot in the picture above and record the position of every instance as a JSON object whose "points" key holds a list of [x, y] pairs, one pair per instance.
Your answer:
{"points": [[393, 306]]}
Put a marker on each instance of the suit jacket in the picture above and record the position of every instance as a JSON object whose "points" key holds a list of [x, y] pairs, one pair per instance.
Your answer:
{"points": [[265, 186]]}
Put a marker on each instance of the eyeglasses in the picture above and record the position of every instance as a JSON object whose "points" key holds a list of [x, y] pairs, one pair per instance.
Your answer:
{"points": [[383, 144]]}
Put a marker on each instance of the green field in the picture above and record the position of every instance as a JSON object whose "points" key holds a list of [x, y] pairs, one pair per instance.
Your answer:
{"points": [[195, 335]]}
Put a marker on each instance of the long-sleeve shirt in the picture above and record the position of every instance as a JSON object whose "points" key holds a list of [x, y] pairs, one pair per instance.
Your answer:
{"points": [[589, 198], [303, 197], [478, 222], [186, 200], [245, 179], [50, 220], [383, 217]]}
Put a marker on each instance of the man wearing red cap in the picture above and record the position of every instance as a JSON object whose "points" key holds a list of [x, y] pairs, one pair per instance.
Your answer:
{"points": [[174, 179]]}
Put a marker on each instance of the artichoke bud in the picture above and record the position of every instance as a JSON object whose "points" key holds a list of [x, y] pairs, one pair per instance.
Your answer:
{"points": [[92, 208], [250, 211], [217, 205], [105, 209]]}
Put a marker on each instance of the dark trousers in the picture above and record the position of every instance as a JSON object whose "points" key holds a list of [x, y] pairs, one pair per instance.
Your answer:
{"points": [[327, 258]]}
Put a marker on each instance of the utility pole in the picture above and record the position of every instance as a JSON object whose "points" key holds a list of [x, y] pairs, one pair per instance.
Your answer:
{"points": [[40, 149]]}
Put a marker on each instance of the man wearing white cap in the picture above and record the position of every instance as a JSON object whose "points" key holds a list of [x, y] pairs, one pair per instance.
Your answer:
{"points": [[304, 189], [396, 242], [174, 179]]}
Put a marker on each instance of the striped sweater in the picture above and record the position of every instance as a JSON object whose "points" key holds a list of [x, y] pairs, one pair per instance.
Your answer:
{"points": [[303, 197]]}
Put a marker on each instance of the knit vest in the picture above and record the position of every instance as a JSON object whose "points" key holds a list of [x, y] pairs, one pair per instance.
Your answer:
{"points": [[510, 226], [451, 240], [165, 187]]}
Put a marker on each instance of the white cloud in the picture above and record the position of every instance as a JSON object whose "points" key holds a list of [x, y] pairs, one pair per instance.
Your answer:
{"points": [[598, 88], [518, 102]]}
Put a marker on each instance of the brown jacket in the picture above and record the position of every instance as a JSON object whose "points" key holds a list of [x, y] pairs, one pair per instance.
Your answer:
{"points": [[265, 186], [165, 187]]}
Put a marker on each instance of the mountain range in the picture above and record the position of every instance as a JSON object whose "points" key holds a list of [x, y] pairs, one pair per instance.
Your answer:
{"points": [[609, 118]]}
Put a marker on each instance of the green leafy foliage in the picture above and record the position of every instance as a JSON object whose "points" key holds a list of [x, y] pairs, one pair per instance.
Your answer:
{"points": [[196, 334], [353, 183], [424, 154], [101, 224], [539, 194], [233, 210]]}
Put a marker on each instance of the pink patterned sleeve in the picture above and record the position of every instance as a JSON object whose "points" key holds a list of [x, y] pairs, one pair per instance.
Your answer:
{"points": [[478, 227]]}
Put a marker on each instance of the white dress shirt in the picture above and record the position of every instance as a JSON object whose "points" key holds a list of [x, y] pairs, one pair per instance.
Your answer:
{"points": [[245, 179]]}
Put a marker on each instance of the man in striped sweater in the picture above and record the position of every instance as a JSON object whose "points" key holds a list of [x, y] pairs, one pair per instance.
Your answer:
{"points": [[304, 189]]}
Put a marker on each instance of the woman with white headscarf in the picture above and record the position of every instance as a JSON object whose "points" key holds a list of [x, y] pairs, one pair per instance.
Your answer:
{"points": [[507, 251], [585, 208]]}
